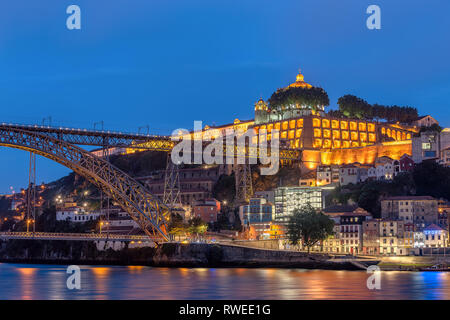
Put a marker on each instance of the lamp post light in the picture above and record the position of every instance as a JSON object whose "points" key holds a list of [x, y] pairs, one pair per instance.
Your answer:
{"points": [[29, 221], [102, 224]]}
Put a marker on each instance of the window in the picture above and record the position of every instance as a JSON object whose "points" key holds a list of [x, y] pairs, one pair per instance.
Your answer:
{"points": [[426, 146]]}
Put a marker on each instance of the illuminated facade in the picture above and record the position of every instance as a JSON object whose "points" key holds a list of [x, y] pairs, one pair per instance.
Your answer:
{"points": [[258, 214], [323, 139], [288, 199], [309, 128], [263, 114]]}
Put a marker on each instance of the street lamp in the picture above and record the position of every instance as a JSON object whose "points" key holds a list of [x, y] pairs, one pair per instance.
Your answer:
{"points": [[101, 225], [29, 221]]}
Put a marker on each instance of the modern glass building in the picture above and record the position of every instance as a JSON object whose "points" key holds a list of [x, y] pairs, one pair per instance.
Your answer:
{"points": [[287, 199]]}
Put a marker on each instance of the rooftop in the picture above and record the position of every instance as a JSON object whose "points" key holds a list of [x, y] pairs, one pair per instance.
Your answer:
{"points": [[410, 198], [345, 210], [300, 82], [433, 227]]}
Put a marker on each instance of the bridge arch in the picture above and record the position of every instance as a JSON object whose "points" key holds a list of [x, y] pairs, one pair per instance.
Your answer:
{"points": [[150, 214]]}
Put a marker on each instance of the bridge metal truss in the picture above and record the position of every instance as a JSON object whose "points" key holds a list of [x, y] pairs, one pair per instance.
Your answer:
{"points": [[172, 188], [134, 198], [138, 141], [100, 138]]}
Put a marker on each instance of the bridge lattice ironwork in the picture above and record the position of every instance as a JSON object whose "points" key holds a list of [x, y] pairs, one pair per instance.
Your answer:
{"points": [[150, 214]]}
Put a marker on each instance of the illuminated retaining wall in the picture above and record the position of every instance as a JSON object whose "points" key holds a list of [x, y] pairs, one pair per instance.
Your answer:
{"points": [[363, 155]]}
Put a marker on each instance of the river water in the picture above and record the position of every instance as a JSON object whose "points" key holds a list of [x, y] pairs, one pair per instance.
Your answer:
{"points": [[22, 281]]}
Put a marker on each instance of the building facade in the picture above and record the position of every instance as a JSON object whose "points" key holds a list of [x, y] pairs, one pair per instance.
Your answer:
{"points": [[288, 199], [207, 210], [76, 214], [419, 210], [259, 215]]}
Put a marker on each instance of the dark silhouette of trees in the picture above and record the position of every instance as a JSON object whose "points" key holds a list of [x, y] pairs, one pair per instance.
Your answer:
{"points": [[285, 97], [353, 107]]}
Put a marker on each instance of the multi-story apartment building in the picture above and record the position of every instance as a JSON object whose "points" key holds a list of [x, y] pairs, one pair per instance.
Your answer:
{"points": [[352, 173], [259, 215], [288, 199], [327, 175], [324, 175], [207, 210], [431, 145], [420, 210], [391, 231], [333, 243], [371, 237], [385, 168], [444, 214], [406, 244], [388, 237], [348, 232], [195, 183], [351, 232]]}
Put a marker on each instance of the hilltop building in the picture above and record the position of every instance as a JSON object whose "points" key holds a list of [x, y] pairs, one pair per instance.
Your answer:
{"points": [[323, 139]]}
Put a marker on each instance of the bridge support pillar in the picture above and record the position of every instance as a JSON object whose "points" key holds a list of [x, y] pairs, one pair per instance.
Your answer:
{"points": [[243, 180]]}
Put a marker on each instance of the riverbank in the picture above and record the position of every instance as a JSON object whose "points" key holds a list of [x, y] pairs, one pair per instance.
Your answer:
{"points": [[410, 263], [190, 255]]}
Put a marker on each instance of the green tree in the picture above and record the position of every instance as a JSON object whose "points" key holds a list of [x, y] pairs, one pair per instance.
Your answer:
{"points": [[197, 226], [177, 226], [285, 97], [309, 226]]}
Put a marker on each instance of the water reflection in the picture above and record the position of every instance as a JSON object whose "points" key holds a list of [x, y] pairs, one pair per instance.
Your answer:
{"points": [[138, 282]]}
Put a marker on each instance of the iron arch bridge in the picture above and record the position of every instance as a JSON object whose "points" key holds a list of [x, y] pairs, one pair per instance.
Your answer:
{"points": [[150, 214]]}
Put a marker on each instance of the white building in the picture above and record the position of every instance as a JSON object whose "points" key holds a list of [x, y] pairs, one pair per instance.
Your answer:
{"points": [[384, 168], [324, 175], [435, 236], [76, 214]]}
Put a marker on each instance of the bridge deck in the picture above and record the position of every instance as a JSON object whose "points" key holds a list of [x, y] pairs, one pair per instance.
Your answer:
{"points": [[77, 236]]}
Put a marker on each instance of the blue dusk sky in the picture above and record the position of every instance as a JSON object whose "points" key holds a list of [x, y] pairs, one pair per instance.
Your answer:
{"points": [[168, 63]]}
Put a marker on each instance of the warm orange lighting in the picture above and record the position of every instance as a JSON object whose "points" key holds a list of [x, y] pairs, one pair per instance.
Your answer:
{"points": [[316, 122]]}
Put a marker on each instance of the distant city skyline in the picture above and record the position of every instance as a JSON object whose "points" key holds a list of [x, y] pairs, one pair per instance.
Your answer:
{"points": [[167, 64]]}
